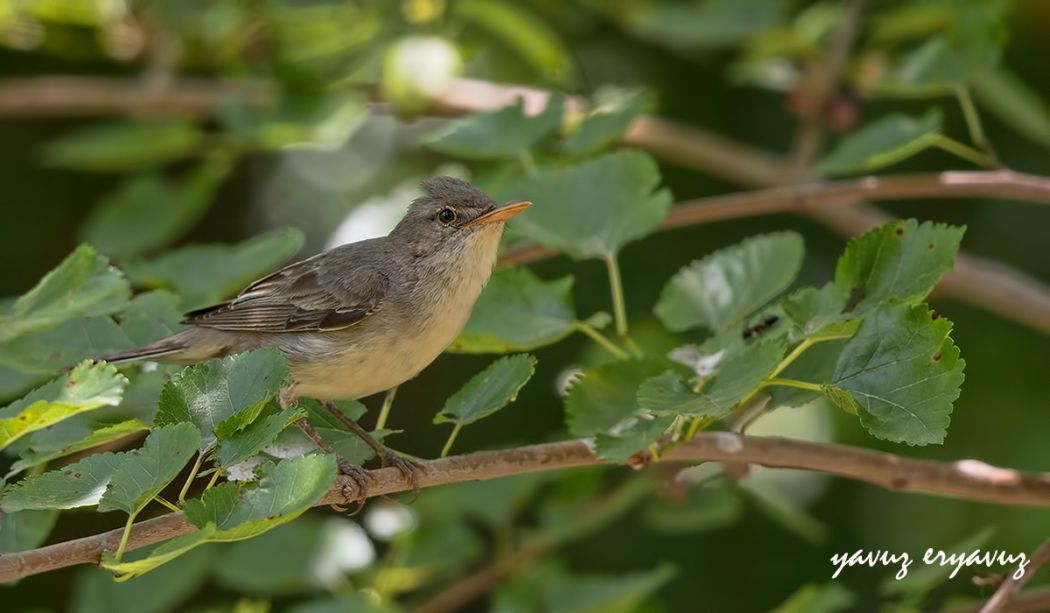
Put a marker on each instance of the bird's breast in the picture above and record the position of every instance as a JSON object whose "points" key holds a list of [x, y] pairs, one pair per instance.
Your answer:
{"points": [[393, 345]]}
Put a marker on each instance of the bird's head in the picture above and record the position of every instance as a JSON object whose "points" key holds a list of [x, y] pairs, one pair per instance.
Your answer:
{"points": [[451, 215]]}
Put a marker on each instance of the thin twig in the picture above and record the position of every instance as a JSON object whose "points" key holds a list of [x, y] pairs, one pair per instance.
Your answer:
{"points": [[1011, 586], [966, 479], [823, 84]]}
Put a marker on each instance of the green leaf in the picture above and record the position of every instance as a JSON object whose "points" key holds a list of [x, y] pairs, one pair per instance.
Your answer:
{"points": [[606, 123], [668, 394], [692, 26], [51, 449], [124, 146], [515, 26], [1014, 103], [506, 132], [621, 443], [812, 309], [591, 209], [147, 212], [604, 397], [162, 592], [78, 485], [881, 143], [162, 554], [89, 386], [25, 530], [812, 598], [208, 393], [553, 591], [284, 491], [488, 391], [816, 364], [902, 373], [729, 284], [143, 473], [255, 437], [518, 311], [83, 285], [902, 260], [191, 271]]}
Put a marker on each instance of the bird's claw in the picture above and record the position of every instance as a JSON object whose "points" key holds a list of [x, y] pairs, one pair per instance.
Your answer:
{"points": [[408, 467], [355, 487]]}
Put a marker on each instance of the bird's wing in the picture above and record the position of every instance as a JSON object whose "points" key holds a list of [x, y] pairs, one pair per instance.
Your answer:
{"points": [[305, 296]]}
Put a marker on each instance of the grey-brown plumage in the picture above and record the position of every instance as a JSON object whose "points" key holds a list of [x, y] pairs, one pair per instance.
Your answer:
{"points": [[363, 317]]}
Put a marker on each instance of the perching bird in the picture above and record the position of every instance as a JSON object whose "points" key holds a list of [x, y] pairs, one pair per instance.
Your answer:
{"points": [[364, 317]]}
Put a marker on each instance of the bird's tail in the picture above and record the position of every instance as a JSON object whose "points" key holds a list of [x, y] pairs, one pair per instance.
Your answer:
{"points": [[174, 348]]}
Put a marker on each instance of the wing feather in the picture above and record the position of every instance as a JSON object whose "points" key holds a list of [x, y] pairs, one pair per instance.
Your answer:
{"points": [[316, 294]]}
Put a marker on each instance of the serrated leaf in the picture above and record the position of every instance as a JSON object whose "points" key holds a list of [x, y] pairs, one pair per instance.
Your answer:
{"points": [[727, 285], [902, 372], [162, 554], [284, 491], [255, 437], [147, 317], [78, 485], [605, 124], [488, 391], [881, 143], [604, 397], [25, 530], [738, 376], [41, 453], [812, 309], [505, 132], [902, 260], [147, 212], [592, 209], [145, 472], [83, 285], [208, 393], [517, 311], [88, 386], [123, 146], [621, 443], [191, 271]]}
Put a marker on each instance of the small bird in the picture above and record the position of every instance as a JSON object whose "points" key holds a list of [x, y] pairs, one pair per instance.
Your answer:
{"points": [[363, 317]]}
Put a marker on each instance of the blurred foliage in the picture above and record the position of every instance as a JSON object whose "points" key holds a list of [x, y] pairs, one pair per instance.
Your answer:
{"points": [[143, 214]]}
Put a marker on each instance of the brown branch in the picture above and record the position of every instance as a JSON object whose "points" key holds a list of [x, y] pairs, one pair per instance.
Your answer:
{"points": [[103, 96], [1011, 586], [966, 479], [823, 83]]}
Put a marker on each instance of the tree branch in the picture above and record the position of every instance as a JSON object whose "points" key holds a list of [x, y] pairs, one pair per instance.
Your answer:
{"points": [[63, 96], [1010, 586], [966, 479]]}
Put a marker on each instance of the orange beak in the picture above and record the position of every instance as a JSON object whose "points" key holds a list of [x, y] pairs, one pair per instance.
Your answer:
{"points": [[502, 213]]}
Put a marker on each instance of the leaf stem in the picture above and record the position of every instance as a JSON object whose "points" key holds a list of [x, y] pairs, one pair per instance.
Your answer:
{"points": [[616, 287], [165, 502], [599, 338], [964, 151], [193, 475], [384, 411], [805, 385], [214, 478], [124, 536], [791, 357], [451, 439], [973, 120]]}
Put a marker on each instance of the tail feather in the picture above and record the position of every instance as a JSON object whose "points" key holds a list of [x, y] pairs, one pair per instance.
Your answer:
{"points": [[155, 350]]}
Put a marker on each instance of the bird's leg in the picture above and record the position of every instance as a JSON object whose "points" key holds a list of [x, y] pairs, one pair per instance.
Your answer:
{"points": [[408, 467], [360, 479]]}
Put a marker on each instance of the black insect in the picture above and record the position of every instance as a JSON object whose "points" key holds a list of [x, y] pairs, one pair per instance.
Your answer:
{"points": [[760, 328]]}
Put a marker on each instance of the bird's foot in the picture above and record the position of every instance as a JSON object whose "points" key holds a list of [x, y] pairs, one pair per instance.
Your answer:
{"points": [[355, 487], [408, 467]]}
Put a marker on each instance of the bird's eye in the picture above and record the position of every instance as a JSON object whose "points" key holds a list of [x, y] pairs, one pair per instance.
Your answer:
{"points": [[446, 215]]}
